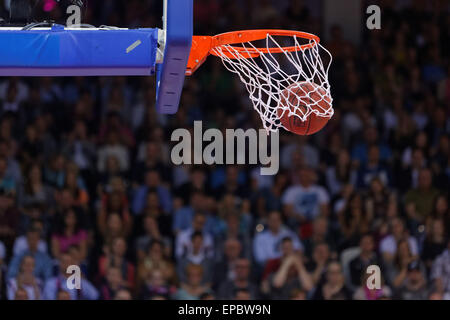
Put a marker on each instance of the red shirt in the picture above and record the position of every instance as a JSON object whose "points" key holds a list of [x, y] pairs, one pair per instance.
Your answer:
{"points": [[273, 265]]}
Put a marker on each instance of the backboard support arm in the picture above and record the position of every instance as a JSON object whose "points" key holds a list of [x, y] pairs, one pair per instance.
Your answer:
{"points": [[173, 54]]}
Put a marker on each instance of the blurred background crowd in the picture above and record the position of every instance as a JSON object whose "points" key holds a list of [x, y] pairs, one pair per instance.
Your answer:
{"points": [[86, 177]]}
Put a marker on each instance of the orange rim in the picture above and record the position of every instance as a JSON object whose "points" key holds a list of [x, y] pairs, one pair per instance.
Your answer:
{"points": [[236, 37], [203, 46]]}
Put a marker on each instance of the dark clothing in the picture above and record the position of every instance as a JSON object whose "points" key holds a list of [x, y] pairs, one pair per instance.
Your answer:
{"points": [[228, 290], [358, 267], [148, 292], [9, 219], [406, 293], [343, 294], [285, 292]]}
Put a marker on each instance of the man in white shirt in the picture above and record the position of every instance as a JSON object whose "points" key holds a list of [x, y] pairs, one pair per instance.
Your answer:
{"points": [[305, 201], [267, 244]]}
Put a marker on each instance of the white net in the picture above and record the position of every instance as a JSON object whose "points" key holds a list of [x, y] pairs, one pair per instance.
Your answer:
{"points": [[270, 77]]}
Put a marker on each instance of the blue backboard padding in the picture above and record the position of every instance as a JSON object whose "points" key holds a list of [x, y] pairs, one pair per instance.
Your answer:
{"points": [[171, 73], [59, 52]]}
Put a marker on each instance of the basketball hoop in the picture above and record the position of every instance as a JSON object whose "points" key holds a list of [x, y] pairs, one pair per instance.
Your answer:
{"points": [[285, 61]]}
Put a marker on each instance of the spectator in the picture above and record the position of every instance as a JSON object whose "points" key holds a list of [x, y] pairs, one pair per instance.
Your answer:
{"points": [[318, 264], [54, 285], [287, 273], [114, 229], [440, 273], [334, 286], [397, 270], [69, 233], [75, 253], [231, 185], [155, 284], [442, 211], [115, 202], [224, 268], [388, 246], [409, 175], [266, 199], [42, 262], [7, 150], [183, 216], [8, 216], [228, 217], [240, 281], [361, 152], [299, 152], [115, 256], [378, 199], [196, 254], [435, 243], [113, 147], [22, 243], [113, 283], [415, 285], [197, 183], [235, 226], [7, 183], [192, 289], [373, 168], [183, 239], [79, 148], [53, 173], [26, 280], [363, 292], [341, 173], [354, 221], [155, 260], [153, 160], [35, 191], [305, 201], [152, 232], [75, 185], [366, 258], [266, 244], [421, 199], [152, 182]]}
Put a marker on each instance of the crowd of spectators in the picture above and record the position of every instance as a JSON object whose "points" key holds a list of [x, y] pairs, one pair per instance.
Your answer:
{"points": [[86, 177]]}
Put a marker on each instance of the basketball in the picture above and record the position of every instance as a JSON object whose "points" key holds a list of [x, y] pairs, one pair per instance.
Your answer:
{"points": [[303, 94]]}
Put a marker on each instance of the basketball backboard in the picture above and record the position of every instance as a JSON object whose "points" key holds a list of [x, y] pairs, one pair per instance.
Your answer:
{"points": [[55, 50]]}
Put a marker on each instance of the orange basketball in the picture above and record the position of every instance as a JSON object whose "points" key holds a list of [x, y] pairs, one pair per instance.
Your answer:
{"points": [[302, 94]]}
